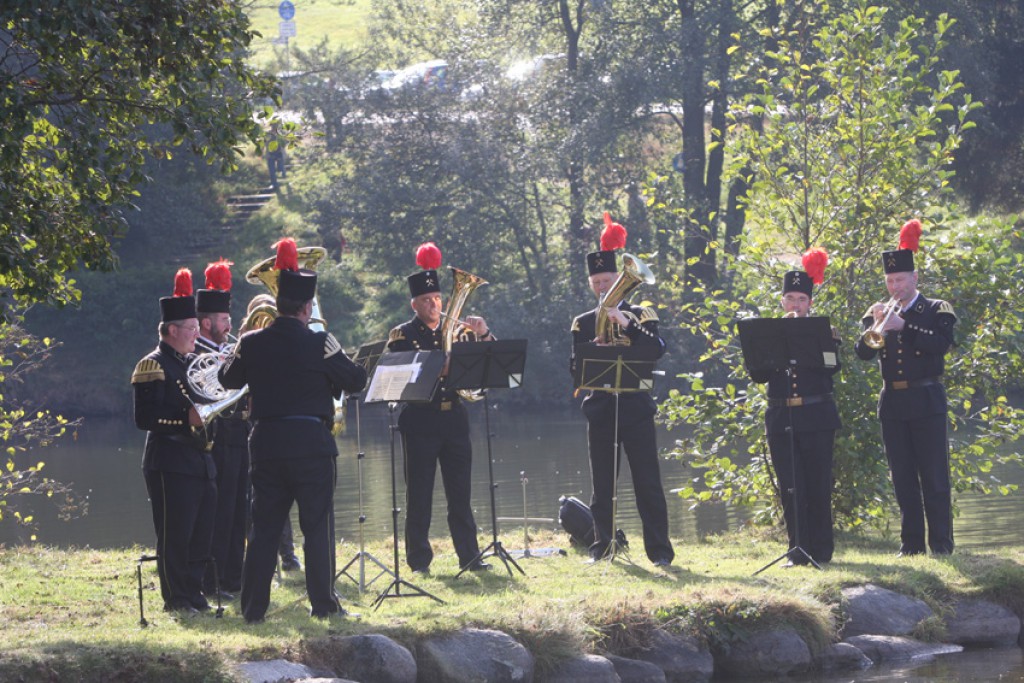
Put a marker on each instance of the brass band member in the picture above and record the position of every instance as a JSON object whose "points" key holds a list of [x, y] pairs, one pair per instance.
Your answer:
{"points": [[176, 463], [912, 404], [636, 432], [293, 375], [231, 444], [801, 398], [436, 433]]}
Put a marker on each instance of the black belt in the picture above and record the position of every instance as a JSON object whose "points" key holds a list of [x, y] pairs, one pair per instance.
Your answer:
{"points": [[196, 442], [797, 401], [279, 418], [908, 383]]}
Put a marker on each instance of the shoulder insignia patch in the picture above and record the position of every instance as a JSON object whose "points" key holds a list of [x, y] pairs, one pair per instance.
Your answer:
{"points": [[868, 315], [575, 325], [648, 314], [631, 316], [396, 334], [148, 370], [946, 307], [331, 346]]}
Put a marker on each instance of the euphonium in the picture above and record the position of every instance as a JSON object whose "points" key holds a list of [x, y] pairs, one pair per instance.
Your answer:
{"points": [[634, 273], [463, 284], [874, 336]]}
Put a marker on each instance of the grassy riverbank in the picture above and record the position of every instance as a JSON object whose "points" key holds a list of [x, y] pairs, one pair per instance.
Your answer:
{"points": [[73, 614]]}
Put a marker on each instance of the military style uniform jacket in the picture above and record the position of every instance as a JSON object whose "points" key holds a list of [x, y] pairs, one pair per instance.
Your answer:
{"points": [[293, 375], [415, 335], [913, 360], [803, 393], [162, 401], [642, 330]]}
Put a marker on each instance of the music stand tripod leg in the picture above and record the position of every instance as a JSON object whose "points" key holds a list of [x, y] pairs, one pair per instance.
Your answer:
{"points": [[615, 549], [495, 546], [362, 556], [397, 583]]}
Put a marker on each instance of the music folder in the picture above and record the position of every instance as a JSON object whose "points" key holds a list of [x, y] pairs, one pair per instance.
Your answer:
{"points": [[487, 365], [406, 376], [778, 343], [368, 355]]}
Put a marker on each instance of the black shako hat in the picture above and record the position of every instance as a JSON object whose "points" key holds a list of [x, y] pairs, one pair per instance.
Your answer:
{"points": [[613, 237], [181, 305], [797, 281], [292, 282], [902, 260], [216, 298], [428, 257]]}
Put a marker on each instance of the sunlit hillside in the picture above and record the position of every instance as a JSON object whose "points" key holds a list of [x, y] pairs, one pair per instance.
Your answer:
{"points": [[342, 22]]}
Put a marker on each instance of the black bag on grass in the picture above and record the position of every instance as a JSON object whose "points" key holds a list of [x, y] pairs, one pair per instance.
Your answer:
{"points": [[576, 519]]}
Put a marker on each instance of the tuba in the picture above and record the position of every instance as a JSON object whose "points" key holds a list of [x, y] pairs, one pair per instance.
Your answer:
{"points": [[264, 273], [874, 337], [463, 284], [634, 273]]}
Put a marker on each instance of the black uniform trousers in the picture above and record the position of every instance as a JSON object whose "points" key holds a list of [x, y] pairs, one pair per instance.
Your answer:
{"points": [[231, 457], [443, 440], [807, 501], [918, 456], [276, 484], [183, 508], [639, 441]]}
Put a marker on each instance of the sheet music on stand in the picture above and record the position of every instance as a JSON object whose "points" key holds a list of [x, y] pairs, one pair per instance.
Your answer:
{"points": [[410, 376]]}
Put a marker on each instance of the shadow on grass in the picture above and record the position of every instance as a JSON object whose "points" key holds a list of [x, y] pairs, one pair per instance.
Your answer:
{"points": [[71, 661]]}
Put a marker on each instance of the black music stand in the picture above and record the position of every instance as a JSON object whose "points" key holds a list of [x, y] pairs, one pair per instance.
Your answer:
{"points": [[366, 357], [488, 365], [407, 377], [780, 344], [616, 370]]}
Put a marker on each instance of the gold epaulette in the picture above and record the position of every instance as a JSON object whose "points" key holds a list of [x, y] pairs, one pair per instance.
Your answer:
{"points": [[331, 346], [647, 314], [868, 314], [946, 307], [148, 370], [575, 325], [396, 334]]}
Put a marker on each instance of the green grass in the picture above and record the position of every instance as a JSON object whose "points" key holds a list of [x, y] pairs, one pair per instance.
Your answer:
{"points": [[342, 22], [75, 612]]}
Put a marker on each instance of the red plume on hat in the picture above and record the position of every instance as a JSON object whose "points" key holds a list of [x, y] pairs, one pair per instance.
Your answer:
{"points": [[218, 275], [814, 261], [614, 235], [183, 282], [428, 256], [910, 235], [287, 254]]}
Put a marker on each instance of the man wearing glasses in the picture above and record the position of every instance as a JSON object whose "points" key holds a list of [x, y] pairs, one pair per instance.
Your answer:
{"points": [[177, 464]]}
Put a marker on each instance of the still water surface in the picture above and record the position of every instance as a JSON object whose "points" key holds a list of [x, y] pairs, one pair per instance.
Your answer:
{"points": [[550, 448], [547, 449]]}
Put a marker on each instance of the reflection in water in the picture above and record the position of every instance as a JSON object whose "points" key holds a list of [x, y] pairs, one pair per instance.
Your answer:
{"points": [[550, 449]]}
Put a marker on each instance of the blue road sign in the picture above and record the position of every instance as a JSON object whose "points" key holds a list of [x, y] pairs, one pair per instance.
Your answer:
{"points": [[286, 9]]}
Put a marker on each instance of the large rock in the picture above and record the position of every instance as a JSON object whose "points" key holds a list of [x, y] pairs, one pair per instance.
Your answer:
{"points": [[876, 611], [982, 623], [843, 657], [895, 648], [636, 671], [275, 671], [681, 658], [471, 656], [374, 658], [766, 653], [583, 669]]}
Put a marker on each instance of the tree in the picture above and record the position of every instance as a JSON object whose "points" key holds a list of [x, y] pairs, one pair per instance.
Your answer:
{"points": [[88, 89], [860, 128]]}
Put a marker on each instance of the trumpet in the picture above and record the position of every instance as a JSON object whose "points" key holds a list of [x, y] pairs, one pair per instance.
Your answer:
{"points": [[874, 336]]}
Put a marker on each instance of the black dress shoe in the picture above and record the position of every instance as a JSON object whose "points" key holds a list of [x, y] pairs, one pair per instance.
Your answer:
{"points": [[479, 566], [253, 622], [422, 571], [909, 553], [662, 562], [224, 596], [291, 564]]}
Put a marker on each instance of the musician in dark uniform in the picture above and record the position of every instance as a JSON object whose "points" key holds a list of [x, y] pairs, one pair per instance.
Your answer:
{"points": [[293, 375], [802, 397], [635, 325], [231, 444], [436, 433], [912, 404], [177, 465]]}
